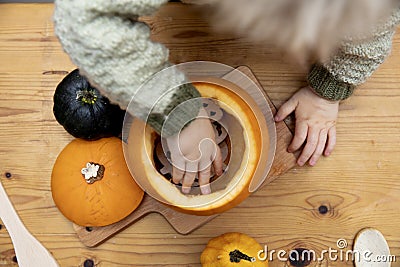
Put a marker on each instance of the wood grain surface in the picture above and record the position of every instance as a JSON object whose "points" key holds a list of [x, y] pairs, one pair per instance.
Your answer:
{"points": [[186, 223], [359, 184]]}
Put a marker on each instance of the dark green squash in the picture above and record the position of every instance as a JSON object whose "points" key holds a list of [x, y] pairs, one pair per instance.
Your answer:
{"points": [[83, 111]]}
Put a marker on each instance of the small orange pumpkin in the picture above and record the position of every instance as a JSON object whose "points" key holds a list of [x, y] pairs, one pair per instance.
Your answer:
{"points": [[232, 249], [91, 184]]}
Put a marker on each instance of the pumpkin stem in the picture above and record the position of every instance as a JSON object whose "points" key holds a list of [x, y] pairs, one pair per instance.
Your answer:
{"points": [[87, 96], [237, 255], [93, 172]]}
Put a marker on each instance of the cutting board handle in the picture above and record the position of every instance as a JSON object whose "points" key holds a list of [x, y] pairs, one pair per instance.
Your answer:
{"points": [[182, 223]]}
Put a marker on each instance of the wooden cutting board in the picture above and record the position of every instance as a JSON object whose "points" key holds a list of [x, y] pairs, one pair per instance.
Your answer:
{"points": [[185, 223]]}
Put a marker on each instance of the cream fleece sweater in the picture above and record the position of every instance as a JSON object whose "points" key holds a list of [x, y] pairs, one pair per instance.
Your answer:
{"points": [[114, 51], [354, 62]]}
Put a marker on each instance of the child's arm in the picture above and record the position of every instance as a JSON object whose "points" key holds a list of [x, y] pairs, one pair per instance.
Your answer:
{"points": [[115, 52], [316, 106]]}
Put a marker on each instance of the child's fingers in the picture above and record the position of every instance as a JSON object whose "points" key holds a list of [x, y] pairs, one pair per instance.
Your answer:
{"points": [[178, 169], [190, 175], [204, 180], [300, 136], [320, 147], [177, 175], [287, 108], [308, 150], [331, 141], [218, 161]]}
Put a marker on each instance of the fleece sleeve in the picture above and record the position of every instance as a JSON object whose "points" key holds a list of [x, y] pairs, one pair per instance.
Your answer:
{"points": [[354, 62]]}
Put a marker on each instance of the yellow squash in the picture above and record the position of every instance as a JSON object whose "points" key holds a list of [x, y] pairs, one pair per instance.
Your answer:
{"points": [[232, 250]]}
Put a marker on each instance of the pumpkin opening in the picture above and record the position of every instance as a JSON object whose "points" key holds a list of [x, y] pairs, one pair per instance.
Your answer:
{"points": [[228, 125], [248, 154], [230, 180]]}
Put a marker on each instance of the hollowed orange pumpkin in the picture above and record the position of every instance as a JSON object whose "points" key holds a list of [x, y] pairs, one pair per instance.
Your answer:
{"points": [[248, 135], [90, 195]]}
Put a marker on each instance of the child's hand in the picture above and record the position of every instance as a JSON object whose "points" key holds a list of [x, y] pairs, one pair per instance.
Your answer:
{"points": [[315, 124], [192, 152]]}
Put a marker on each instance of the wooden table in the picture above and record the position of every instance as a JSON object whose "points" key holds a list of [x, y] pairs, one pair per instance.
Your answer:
{"points": [[359, 183]]}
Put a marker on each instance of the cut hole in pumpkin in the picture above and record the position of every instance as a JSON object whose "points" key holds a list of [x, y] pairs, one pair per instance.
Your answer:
{"points": [[163, 164], [248, 142], [234, 142]]}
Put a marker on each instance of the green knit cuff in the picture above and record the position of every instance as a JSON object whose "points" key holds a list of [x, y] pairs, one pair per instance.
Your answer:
{"points": [[326, 86], [185, 108]]}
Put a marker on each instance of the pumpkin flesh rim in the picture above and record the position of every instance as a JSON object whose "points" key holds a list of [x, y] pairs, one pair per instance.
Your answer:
{"points": [[236, 190]]}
